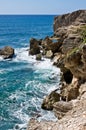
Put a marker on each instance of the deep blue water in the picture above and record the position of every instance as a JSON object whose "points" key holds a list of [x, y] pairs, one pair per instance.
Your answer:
{"points": [[24, 81]]}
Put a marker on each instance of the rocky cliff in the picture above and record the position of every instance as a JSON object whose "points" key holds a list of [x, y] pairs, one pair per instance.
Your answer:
{"points": [[70, 105]]}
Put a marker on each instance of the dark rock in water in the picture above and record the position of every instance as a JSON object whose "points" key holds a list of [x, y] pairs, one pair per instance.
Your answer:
{"points": [[48, 44], [50, 100], [38, 57], [7, 52], [34, 46], [34, 41], [17, 127]]}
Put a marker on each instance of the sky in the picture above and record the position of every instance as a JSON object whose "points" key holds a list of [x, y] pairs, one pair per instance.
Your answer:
{"points": [[40, 6]]}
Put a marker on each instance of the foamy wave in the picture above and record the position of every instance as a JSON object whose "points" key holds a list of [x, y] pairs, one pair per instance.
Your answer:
{"points": [[48, 115], [22, 55], [1, 58], [45, 64]]}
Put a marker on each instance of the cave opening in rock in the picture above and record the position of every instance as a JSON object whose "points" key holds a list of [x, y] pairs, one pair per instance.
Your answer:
{"points": [[68, 76]]}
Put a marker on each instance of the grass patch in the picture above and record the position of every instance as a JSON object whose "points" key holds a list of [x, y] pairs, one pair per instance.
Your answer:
{"points": [[82, 32]]}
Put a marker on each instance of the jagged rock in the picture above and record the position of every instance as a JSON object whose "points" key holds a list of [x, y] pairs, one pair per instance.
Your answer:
{"points": [[76, 62], [45, 43], [70, 92], [74, 18], [72, 41], [48, 44], [49, 54], [54, 47], [38, 57], [68, 28], [7, 52], [34, 41], [50, 100], [34, 46], [73, 59]]}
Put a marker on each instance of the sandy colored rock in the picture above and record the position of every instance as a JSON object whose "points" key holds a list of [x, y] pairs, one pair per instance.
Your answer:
{"points": [[7, 52], [49, 54], [74, 119], [50, 100]]}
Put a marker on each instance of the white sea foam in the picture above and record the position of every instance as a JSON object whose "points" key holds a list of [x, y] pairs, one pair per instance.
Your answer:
{"points": [[48, 115], [1, 58], [44, 70], [21, 115], [22, 55]]}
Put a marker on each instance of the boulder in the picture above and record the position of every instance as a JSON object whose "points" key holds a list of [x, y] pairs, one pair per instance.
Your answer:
{"points": [[50, 100], [34, 46], [38, 57], [45, 43], [34, 41], [49, 44], [7, 52], [49, 54]]}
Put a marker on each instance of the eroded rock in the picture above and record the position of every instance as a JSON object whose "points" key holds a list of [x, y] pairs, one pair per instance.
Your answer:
{"points": [[34, 46], [7, 52], [60, 108], [50, 100], [38, 57]]}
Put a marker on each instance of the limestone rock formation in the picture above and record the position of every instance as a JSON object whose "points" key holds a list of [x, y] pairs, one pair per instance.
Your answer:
{"points": [[74, 119], [70, 105], [34, 46], [49, 54], [50, 100], [7, 52], [74, 18]]}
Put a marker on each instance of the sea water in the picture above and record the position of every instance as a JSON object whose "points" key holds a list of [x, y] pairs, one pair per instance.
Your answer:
{"points": [[24, 81]]}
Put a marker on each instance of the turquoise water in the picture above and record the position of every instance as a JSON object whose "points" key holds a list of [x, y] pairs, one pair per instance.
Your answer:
{"points": [[24, 81]]}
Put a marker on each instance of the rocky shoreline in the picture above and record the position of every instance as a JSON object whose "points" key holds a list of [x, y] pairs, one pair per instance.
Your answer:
{"points": [[67, 49]]}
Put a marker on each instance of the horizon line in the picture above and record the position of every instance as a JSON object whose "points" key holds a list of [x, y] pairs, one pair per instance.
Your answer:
{"points": [[27, 14]]}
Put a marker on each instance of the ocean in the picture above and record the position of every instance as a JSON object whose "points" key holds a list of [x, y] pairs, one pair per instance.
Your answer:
{"points": [[24, 81]]}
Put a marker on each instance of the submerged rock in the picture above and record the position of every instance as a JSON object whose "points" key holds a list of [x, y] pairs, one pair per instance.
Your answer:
{"points": [[7, 52]]}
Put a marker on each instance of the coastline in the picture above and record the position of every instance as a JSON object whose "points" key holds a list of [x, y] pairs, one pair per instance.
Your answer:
{"points": [[67, 50], [69, 55]]}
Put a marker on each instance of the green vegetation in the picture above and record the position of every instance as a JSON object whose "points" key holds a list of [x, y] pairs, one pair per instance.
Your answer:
{"points": [[83, 33]]}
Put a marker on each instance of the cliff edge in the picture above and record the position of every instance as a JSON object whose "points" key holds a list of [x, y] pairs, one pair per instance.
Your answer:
{"points": [[69, 105]]}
